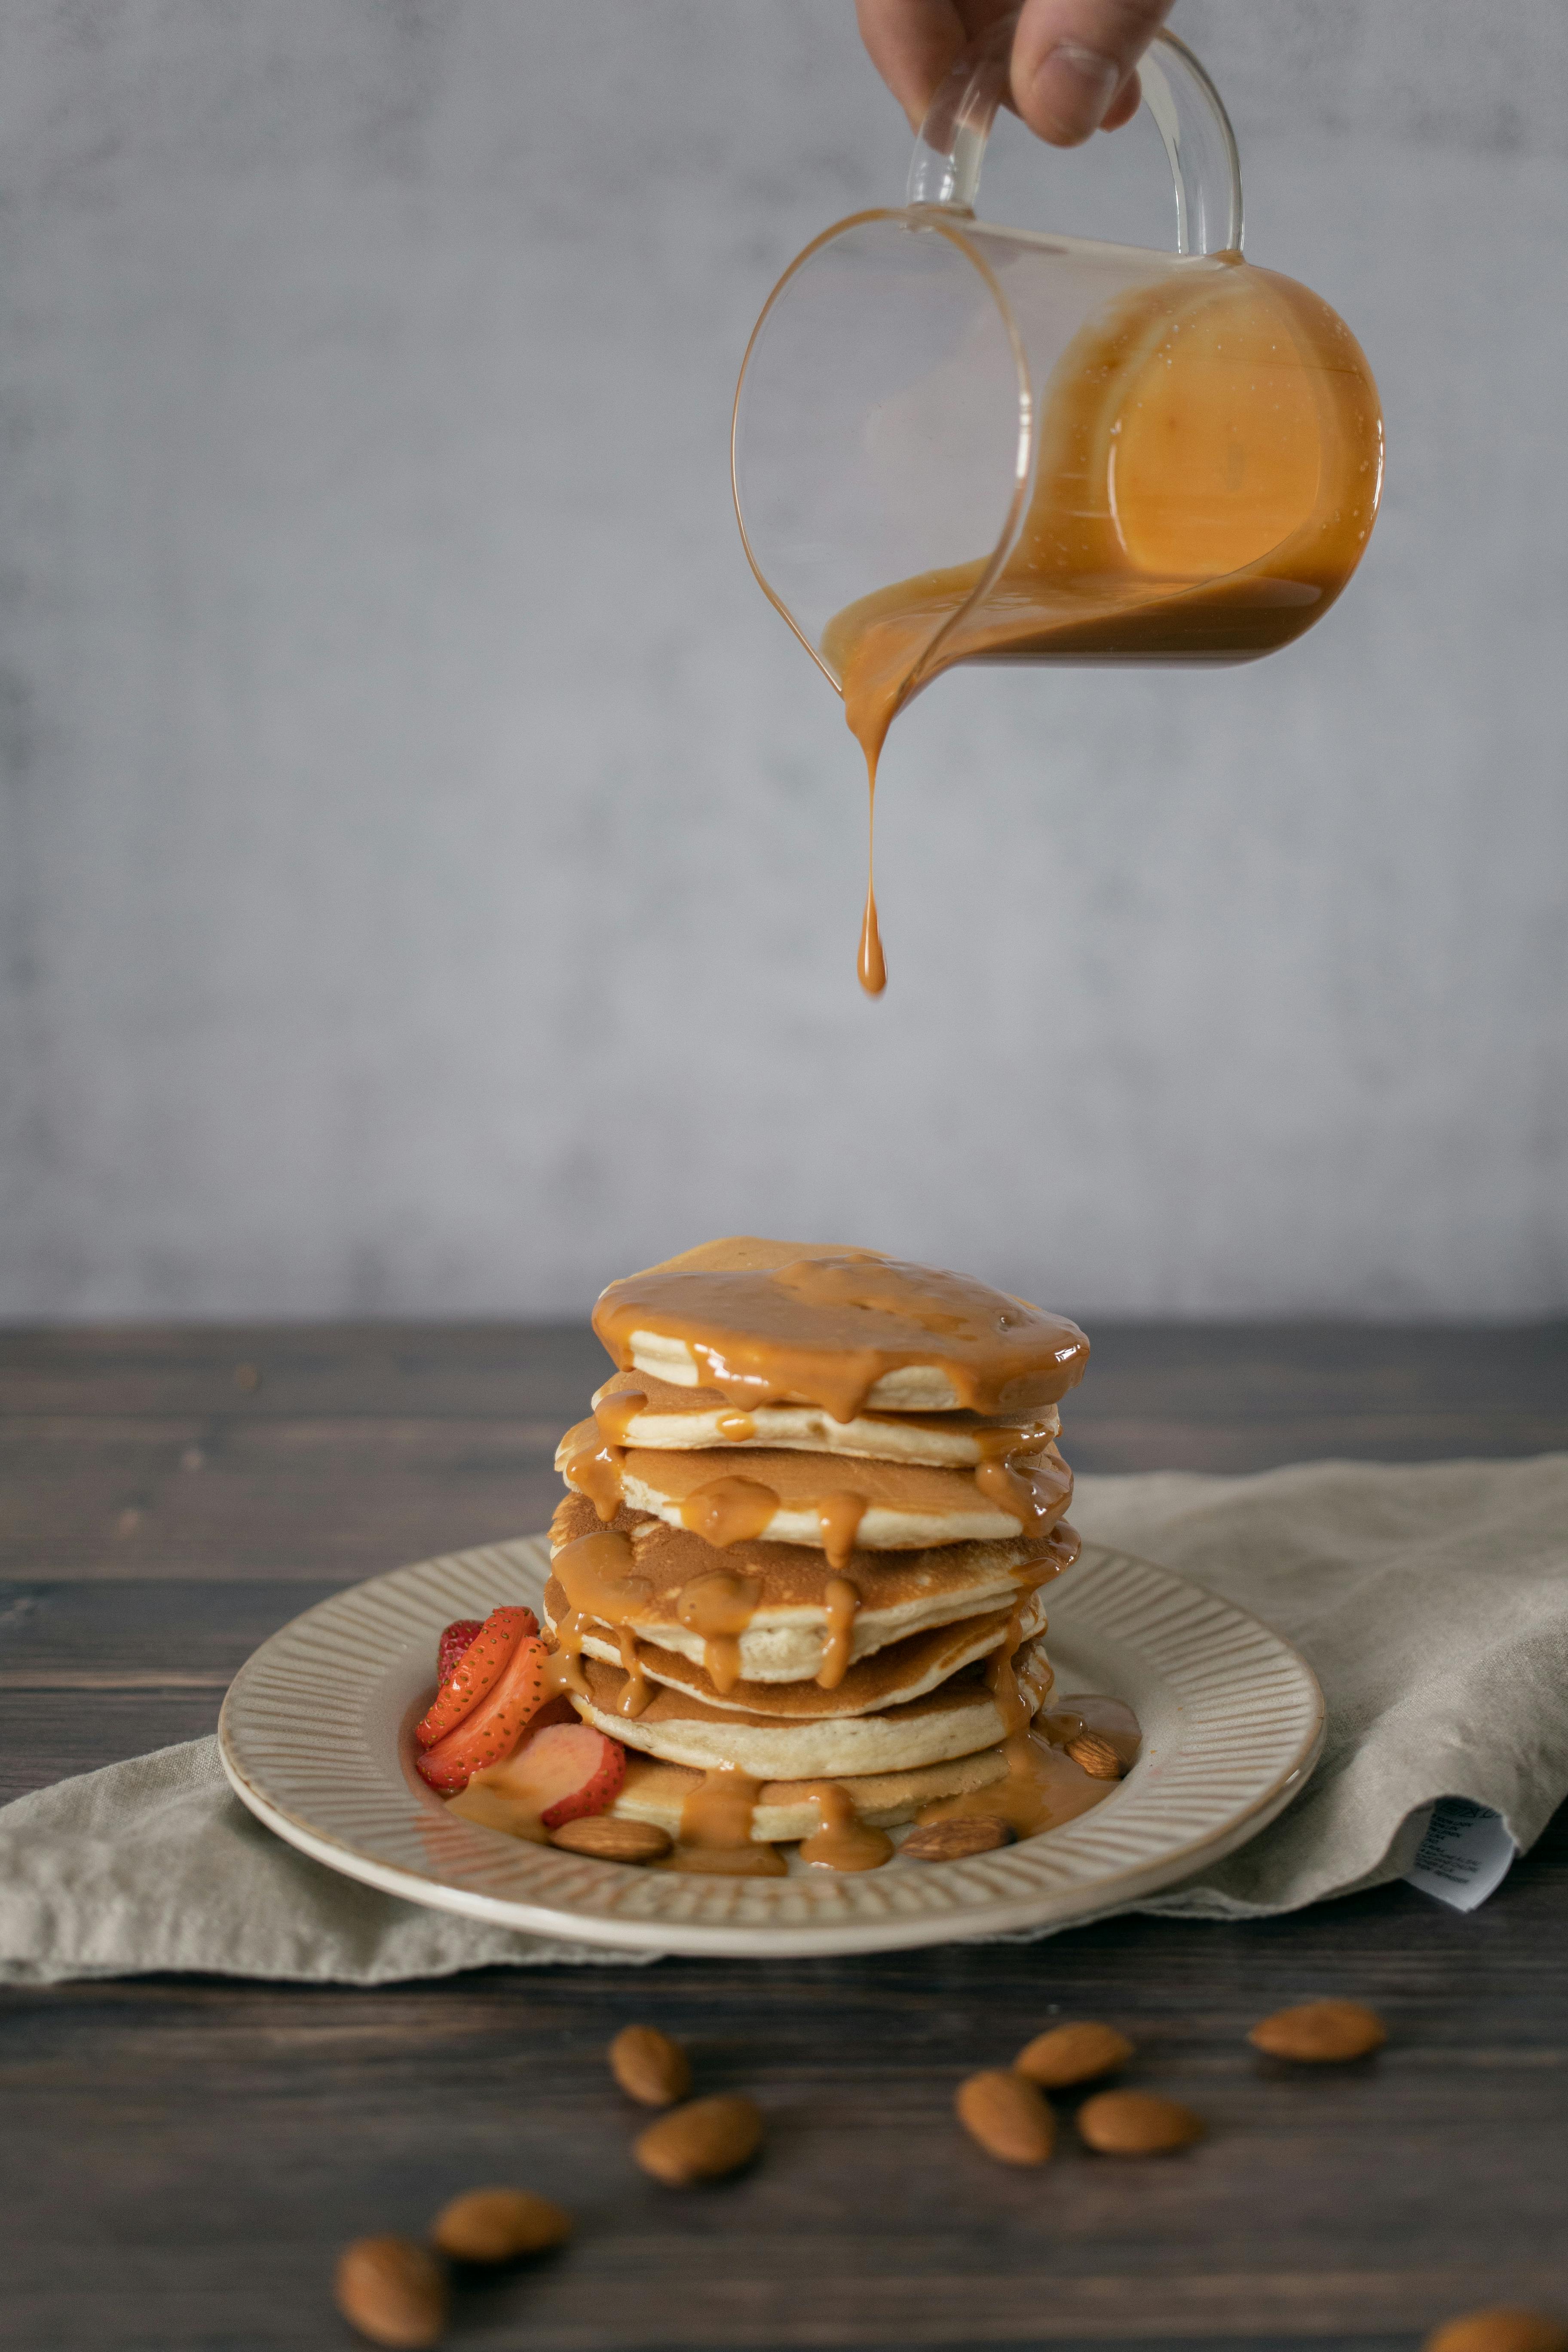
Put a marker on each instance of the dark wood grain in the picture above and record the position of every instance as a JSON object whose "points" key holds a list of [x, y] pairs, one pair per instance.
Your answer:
{"points": [[182, 2157]]}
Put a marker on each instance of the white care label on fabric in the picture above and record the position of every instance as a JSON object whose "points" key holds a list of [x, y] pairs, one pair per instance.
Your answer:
{"points": [[1464, 1854]]}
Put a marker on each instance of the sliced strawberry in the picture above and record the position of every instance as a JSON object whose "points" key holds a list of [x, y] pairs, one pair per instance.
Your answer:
{"points": [[566, 1770], [453, 1641], [477, 1670], [491, 1729]]}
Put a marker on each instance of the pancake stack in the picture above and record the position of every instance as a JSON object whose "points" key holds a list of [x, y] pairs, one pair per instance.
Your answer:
{"points": [[799, 1572]]}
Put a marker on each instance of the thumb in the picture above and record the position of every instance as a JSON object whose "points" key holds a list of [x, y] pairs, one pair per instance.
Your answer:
{"points": [[1072, 61]]}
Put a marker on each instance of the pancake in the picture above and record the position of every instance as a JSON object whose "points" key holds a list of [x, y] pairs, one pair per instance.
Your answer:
{"points": [[902, 1670], [780, 1496], [786, 1809], [959, 1719], [789, 1590], [797, 1323], [637, 1409]]}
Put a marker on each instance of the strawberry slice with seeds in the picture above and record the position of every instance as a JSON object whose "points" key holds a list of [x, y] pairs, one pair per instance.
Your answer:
{"points": [[477, 1672], [566, 1770], [490, 1728], [454, 1639]]}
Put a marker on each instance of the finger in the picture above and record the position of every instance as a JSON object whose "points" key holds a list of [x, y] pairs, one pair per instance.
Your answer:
{"points": [[911, 43], [1072, 58], [1124, 105]]}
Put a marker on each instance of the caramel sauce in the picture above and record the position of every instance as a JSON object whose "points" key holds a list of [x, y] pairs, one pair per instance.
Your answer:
{"points": [[839, 1517], [598, 1575], [841, 1840], [1014, 1702], [564, 1668], [779, 1323], [635, 1696], [716, 1829], [1036, 1487], [717, 1608], [1042, 1789], [615, 1414], [737, 1428], [595, 1471], [841, 1601], [729, 1510], [1209, 469], [1112, 1718]]}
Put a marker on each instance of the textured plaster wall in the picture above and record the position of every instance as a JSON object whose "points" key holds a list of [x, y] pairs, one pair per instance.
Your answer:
{"points": [[429, 873]]}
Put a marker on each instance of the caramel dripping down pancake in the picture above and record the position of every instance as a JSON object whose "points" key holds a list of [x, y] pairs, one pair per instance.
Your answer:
{"points": [[783, 1811], [784, 1613], [795, 1323], [959, 1719], [637, 1409], [807, 1498], [898, 1672]]}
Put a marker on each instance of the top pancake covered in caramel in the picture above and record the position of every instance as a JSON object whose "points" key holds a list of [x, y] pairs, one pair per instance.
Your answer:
{"points": [[782, 1322]]}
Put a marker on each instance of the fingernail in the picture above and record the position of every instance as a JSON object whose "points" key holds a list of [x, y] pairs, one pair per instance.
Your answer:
{"points": [[1074, 87]]}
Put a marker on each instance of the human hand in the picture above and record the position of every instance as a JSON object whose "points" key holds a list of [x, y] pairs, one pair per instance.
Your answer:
{"points": [[1074, 66]]}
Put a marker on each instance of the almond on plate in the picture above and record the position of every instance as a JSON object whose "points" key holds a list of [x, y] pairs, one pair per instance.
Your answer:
{"points": [[1066, 2054], [1095, 1755], [1320, 2033], [953, 1840], [392, 2291], [609, 1839], [1136, 2123], [648, 2066], [700, 2142], [496, 2225], [1007, 2115], [1500, 2331]]}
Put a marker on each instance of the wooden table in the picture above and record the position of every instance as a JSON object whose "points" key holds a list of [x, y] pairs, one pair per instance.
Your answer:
{"points": [[182, 2157]]}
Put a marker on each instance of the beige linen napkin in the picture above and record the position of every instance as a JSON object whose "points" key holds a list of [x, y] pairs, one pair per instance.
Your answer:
{"points": [[1432, 1604]]}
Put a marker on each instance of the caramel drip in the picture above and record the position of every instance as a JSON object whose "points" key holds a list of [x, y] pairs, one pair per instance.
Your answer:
{"points": [[1013, 1699], [1034, 1488], [775, 1323], [729, 1510], [841, 1840], [595, 1472], [1042, 1789], [716, 1829], [841, 1601], [839, 1516], [719, 1607], [635, 1696], [597, 1574], [564, 1668], [1210, 465], [737, 1428], [1112, 1718], [870, 964], [615, 1414]]}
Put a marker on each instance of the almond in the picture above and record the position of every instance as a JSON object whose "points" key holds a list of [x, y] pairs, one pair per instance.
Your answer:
{"points": [[1500, 2331], [1007, 2116], [648, 2066], [496, 2225], [700, 2142], [1320, 2033], [950, 1841], [392, 2291], [609, 1840], [1136, 2123], [1073, 2053], [1094, 1755]]}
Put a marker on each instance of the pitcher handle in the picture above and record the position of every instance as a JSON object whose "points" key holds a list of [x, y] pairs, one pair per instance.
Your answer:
{"points": [[1187, 109]]}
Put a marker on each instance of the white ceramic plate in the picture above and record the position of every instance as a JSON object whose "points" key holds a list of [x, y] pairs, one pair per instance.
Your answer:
{"points": [[316, 1737]]}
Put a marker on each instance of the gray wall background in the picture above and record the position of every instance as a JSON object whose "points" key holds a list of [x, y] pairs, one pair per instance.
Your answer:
{"points": [[431, 873]]}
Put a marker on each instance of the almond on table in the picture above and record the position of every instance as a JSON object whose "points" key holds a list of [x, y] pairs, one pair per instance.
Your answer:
{"points": [[1503, 2330], [496, 2225], [1007, 2115], [393, 2291], [1066, 2054], [702, 2141], [648, 2066], [1320, 2033], [1137, 2123]]}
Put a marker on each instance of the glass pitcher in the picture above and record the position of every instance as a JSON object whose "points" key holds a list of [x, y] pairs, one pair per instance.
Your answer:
{"points": [[956, 442]]}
